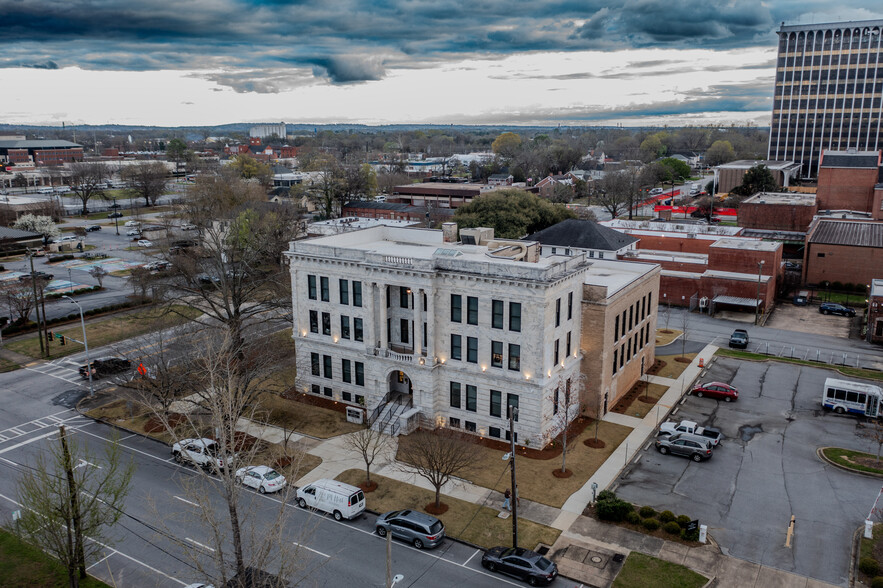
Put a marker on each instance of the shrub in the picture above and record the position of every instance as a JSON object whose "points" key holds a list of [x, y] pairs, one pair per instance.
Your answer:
{"points": [[869, 566], [613, 510], [647, 512], [606, 495], [650, 524], [633, 518], [672, 528], [690, 535], [683, 521], [666, 516], [877, 582]]}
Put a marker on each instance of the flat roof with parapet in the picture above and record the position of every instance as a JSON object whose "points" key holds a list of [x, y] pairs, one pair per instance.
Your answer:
{"points": [[425, 250], [657, 255], [793, 198], [749, 163], [351, 223], [851, 159], [672, 226], [877, 287], [752, 244], [616, 275]]}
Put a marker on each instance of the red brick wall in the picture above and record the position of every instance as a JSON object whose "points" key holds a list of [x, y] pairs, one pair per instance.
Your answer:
{"points": [[683, 244], [841, 263], [782, 217], [744, 261], [846, 189], [677, 291]]}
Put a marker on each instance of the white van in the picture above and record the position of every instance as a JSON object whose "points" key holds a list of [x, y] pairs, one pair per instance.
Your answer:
{"points": [[340, 500], [45, 190]]}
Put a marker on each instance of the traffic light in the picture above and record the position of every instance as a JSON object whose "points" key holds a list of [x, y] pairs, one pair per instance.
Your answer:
{"points": [[63, 342], [49, 335]]}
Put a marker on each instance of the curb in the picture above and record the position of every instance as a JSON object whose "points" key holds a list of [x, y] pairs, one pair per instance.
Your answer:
{"points": [[824, 458], [856, 551]]}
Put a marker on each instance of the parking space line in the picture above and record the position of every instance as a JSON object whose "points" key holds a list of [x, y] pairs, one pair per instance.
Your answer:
{"points": [[198, 544], [311, 549], [470, 558], [185, 500]]}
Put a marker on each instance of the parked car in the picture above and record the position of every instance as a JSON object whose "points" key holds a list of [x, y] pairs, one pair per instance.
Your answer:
{"points": [[696, 448], [656, 191], [716, 390], [206, 279], [38, 275], [115, 214], [145, 243], [262, 478], [792, 266], [92, 228], [341, 500], [132, 223], [710, 433], [832, 308], [106, 366], [521, 563], [133, 233], [158, 266], [188, 227], [203, 452], [739, 339], [415, 527]]}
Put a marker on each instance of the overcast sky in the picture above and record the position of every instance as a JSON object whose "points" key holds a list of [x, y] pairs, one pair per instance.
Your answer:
{"points": [[589, 62]]}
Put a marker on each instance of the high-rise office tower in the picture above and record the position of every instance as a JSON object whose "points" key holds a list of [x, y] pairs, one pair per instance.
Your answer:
{"points": [[829, 86]]}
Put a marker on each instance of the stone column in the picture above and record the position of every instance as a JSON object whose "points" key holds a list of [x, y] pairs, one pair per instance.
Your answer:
{"points": [[384, 342], [430, 325], [370, 322], [418, 322]]}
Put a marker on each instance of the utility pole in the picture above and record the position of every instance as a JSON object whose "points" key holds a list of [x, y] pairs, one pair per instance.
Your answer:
{"points": [[389, 557], [43, 351], [512, 411], [566, 426]]}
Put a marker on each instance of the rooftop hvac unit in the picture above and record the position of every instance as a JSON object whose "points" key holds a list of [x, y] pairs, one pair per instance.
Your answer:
{"points": [[703, 302]]}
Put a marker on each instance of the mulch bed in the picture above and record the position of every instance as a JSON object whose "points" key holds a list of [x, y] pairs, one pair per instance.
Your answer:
{"points": [[595, 443], [684, 360], [656, 367], [625, 403], [433, 510], [370, 487], [559, 474], [155, 424], [320, 401]]}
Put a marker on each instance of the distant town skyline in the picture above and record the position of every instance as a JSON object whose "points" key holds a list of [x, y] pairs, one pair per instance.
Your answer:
{"points": [[515, 62]]}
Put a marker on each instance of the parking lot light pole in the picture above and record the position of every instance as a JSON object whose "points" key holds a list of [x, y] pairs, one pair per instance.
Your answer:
{"points": [[116, 220], [85, 344], [757, 302]]}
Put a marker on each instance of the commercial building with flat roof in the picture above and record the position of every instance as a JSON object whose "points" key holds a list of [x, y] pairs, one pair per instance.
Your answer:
{"points": [[828, 85], [40, 152]]}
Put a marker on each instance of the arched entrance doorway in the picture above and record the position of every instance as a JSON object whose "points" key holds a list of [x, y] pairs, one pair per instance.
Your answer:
{"points": [[399, 386]]}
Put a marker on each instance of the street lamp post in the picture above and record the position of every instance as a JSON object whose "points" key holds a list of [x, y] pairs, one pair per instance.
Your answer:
{"points": [[757, 302], [116, 220], [513, 412], [85, 344], [70, 281]]}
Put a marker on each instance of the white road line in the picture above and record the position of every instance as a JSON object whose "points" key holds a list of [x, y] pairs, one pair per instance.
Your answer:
{"points": [[311, 549], [23, 443], [197, 543], [113, 552], [129, 436], [470, 558], [16, 430], [187, 501], [56, 377]]}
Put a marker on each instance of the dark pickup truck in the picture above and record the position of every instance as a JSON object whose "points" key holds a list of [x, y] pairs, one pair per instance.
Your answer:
{"points": [[106, 366]]}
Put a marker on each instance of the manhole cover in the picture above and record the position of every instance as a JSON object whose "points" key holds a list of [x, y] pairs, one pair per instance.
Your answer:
{"points": [[543, 549], [596, 559]]}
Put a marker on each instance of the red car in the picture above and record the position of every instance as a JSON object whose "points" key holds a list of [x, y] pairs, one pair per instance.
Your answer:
{"points": [[717, 390]]}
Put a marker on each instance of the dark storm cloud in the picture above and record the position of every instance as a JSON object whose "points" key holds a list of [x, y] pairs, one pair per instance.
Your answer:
{"points": [[352, 41]]}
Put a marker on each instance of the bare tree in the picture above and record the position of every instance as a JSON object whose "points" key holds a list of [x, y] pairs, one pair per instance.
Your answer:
{"points": [[19, 298], [71, 495], [370, 444], [437, 456], [99, 274], [87, 181], [147, 180]]}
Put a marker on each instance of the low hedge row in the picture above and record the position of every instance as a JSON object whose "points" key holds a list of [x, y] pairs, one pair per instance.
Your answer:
{"points": [[609, 507], [18, 328]]}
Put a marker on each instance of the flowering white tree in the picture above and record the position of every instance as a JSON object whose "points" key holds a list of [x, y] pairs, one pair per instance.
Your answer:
{"points": [[37, 224]]}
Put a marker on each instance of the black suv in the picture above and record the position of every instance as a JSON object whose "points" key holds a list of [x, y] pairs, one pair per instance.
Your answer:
{"points": [[414, 527], [832, 308], [106, 366], [522, 563], [39, 275], [739, 339]]}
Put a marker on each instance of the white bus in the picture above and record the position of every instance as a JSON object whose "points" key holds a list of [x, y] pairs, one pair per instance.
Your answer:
{"points": [[854, 397]]}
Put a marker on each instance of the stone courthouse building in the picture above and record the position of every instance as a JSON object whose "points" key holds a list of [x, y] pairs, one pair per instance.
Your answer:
{"points": [[421, 327]]}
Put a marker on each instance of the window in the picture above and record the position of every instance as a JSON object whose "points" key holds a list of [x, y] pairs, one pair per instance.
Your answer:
{"points": [[326, 367], [568, 345], [326, 323], [357, 293], [387, 297], [403, 296], [360, 373], [425, 302], [555, 402], [314, 363], [512, 404], [649, 298], [558, 312], [315, 389], [471, 398], [404, 327], [631, 316], [311, 287], [821, 255], [497, 314], [455, 423], [455, 395], [456, 308], [326, 296], [328, 392], [555, 360], [514, 357], [494, 432], [569, 305], [456, 347], [470, 426], [358, 334], [508, 436], [347, 396], [472, 310], [346, 366], [344, 291], [497, 354], [515, 316], [616, 328], [643, 306], [621, 356], [345, 327], [314, 321], [496, 403], [614, 360], [472, 349], [629, 349]]}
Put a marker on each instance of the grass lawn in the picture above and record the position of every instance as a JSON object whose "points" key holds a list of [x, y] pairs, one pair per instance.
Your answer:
{"points": [[640, 571], [663, 338], [25, 566], [535, 479], [464, 520], [854, 460], [305, 418], [846, 371], [646, 401], [103, 332], [673, 366]]}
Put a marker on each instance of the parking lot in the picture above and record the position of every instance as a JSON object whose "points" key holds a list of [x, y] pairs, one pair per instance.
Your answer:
{"points": [[765, 471]]}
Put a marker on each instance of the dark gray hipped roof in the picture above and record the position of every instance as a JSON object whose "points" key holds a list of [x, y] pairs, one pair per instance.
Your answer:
{"points": [[860, 160], [582, 234]]}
